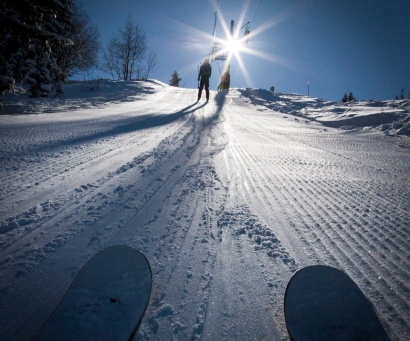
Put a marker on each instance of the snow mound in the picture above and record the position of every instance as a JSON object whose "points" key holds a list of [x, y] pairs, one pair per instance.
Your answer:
{"points": [[80, 95], [392, 117]]}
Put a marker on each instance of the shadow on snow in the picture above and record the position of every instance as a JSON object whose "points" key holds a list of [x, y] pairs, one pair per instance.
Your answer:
{"points": [[123, 126]]}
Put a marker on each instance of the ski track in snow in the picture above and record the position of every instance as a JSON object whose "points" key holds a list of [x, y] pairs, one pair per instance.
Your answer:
{"points": [[227, 200]]}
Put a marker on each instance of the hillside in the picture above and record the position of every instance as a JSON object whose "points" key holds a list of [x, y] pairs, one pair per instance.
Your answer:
{"points": [[227, 200]]}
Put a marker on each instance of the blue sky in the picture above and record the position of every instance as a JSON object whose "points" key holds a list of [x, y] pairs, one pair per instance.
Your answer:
{"points": [[354, 46]]}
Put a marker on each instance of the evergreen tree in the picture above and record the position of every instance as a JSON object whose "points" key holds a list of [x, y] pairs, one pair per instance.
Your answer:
{"points": [[42, 42], [175, 79], [348, 98], [80, 56], [37, 71], [29, 30]]}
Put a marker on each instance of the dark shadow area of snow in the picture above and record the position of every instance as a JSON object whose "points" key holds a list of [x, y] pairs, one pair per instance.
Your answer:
{"points": [[220, 99], [117, 127], [79, 95]]}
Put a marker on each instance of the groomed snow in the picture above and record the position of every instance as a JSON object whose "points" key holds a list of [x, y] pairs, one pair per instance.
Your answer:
{"points": [[227, 200]]}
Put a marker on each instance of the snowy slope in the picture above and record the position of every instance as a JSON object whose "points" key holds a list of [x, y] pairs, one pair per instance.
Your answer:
{"points": [[392, 117], [227, 200]]}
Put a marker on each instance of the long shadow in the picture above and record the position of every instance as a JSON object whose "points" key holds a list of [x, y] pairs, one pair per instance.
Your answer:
{"points": [[148, 121], [220, 100], [124, 126]]}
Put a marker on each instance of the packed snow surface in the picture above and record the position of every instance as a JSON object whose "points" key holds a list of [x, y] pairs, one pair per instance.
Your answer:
{"points": [[227, 200]]}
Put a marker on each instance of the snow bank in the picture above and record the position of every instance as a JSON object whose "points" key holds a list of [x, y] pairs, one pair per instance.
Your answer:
{"points": [[80, 95], [392, 117]]}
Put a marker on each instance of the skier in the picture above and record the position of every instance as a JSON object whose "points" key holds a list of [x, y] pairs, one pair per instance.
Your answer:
{"points": [[203, 76], [225, 81]]}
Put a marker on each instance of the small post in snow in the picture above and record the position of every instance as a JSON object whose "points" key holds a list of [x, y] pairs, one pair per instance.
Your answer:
{"points": [[308, 87]]}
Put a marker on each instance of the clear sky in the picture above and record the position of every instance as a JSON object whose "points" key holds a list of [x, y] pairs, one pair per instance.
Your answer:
{"points": [[359, 46]]}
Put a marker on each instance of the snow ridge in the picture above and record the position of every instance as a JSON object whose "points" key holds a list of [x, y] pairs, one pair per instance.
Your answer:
{"points": [[390, 116]]}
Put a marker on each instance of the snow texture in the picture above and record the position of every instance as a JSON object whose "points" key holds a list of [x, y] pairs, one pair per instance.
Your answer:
{"points": [[227, 200]]}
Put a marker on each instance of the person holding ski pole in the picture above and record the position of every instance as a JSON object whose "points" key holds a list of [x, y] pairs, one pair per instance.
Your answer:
{"points": [[203, 78]]}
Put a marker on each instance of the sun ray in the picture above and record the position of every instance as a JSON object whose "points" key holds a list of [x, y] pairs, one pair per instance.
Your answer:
{"points": [[232, 47], [244, 70]]}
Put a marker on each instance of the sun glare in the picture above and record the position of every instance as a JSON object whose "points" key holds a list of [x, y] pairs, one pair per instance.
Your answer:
{"points": [[226, 48], [240, 42], [233, 45]]}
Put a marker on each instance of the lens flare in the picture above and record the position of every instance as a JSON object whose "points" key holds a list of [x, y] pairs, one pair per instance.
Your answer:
{"points": [[233, 45], [231, 48], [227, 49]]}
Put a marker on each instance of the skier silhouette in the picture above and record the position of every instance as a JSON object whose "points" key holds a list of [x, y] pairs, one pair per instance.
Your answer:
{"points": [[203, 77], [225, 81]]}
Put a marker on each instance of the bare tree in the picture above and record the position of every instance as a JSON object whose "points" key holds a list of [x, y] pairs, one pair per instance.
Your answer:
{"points": [[124, 51], [152, 63], [86, 38], [139, 72]]}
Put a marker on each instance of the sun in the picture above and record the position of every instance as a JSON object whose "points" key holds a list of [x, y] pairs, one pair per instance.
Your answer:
{"points": [[233, 45], [236, 41]]}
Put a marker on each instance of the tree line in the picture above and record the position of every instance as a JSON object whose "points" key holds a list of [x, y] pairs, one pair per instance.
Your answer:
{"points": [[45, 42], [350, 98]]}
